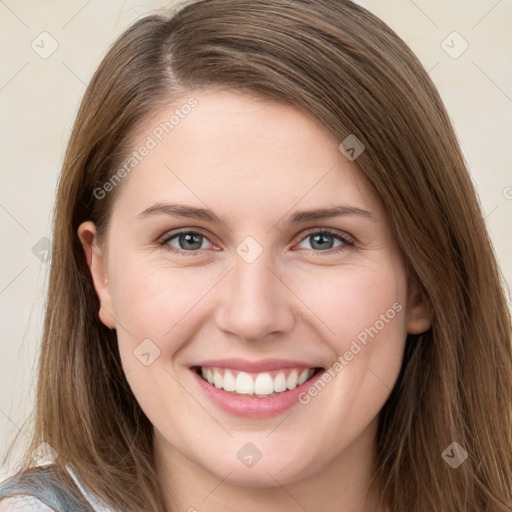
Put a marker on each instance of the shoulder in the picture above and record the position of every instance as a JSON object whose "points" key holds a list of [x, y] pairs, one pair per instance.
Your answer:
{"points": [[23, 503], [41, 488], [49, 488]]}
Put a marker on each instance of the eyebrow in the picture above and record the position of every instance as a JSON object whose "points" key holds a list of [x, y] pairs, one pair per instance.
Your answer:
{"points": [[205, 214]]}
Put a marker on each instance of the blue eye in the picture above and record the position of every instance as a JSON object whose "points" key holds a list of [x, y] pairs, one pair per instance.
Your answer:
{"points": [[319, 238], [189, 239], [189, 242]]}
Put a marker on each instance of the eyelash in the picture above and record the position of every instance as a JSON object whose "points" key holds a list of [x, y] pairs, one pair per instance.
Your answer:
{"points": [[347, 241]]}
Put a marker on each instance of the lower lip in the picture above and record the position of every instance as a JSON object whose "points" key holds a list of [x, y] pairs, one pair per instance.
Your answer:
{"points": [[254, 407]]}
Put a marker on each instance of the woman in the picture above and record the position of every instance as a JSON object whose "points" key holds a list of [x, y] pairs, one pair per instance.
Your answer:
{"points": [[251, 371]]}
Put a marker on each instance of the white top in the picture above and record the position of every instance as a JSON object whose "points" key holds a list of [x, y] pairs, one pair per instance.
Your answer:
{"points": [[23, 503], [26, 503]]}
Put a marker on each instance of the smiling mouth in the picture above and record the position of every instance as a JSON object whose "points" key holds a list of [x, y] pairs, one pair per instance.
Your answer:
{"points": [[258, 385]]}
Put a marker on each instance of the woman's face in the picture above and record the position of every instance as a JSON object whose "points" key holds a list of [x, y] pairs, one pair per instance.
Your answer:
{"points": [[258, 301]]}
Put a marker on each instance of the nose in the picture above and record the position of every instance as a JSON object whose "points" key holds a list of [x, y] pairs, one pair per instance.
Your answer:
{"points": [[255, 302]]}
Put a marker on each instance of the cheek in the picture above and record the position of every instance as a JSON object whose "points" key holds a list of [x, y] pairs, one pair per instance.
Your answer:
{"points": [[352, 301], [152, 300], [154, 307], [158, 310], [362, 317]]}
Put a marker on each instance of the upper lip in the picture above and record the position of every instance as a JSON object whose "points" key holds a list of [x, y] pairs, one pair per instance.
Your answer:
{"points": [[262, 365]]}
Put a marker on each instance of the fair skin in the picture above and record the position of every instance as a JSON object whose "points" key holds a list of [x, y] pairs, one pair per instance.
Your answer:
{"points": [[255, 163]]}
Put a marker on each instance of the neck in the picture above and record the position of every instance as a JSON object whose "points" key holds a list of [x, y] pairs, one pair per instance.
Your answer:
{"points": [[340, 486]]}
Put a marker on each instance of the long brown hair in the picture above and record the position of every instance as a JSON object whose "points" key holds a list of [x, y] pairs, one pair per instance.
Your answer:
{"points": [[336, 60]]}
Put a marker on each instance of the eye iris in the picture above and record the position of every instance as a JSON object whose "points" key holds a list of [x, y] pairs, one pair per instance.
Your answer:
{"points": [[317, 239], [187, 237]]}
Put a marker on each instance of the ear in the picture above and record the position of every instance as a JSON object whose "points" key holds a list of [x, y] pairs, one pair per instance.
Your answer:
{"points": [[419, 315], [97, 266]]}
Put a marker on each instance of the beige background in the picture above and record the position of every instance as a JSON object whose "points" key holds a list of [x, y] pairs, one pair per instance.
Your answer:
{"points": [[39, 97]]}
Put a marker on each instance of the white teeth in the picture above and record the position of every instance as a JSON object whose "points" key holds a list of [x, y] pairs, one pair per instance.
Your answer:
{"points": [[280, 383], [218, 380], [264, 384], [261, 385], [244, 384], [291, 381], [303, 377], [229, 382]]}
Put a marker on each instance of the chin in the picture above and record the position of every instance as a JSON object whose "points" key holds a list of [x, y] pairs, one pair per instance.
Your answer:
{"points": [[264, 473]]}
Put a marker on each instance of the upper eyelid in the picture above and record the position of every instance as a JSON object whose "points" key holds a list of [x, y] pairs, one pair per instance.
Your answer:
{"points": [[172, 233]]}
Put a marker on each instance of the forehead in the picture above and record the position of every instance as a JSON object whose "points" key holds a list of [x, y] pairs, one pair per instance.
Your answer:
{"points": [[240, 153]]}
